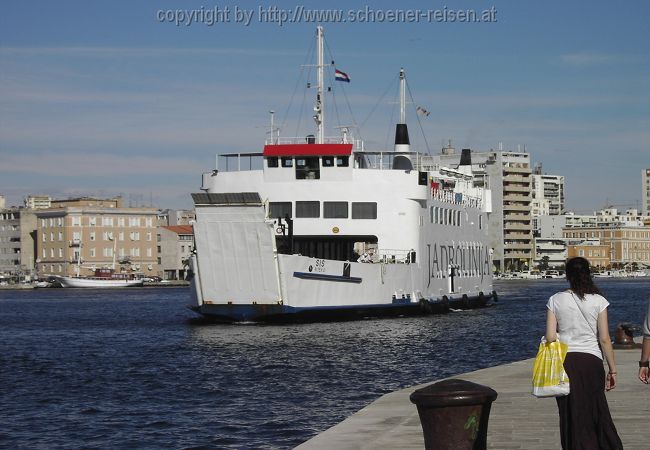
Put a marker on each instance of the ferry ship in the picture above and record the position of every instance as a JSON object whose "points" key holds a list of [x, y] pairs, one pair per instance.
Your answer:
{"points": [[325, 230]]}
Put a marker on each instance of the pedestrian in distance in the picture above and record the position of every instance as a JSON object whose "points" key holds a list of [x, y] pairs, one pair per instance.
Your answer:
{"points": [[579, 316]]}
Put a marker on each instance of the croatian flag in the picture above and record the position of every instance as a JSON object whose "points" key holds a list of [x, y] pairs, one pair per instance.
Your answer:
{"points": [[341, 76]]}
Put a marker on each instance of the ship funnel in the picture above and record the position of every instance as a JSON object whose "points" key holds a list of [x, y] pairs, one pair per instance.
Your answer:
{"points": [[402, 143], [466, 157]]}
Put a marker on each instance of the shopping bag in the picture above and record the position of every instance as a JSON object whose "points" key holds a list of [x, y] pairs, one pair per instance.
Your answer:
{"points": [[549, 377]]}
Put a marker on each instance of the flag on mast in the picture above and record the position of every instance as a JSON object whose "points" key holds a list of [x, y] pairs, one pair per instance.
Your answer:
{"points": [[341, 76]]}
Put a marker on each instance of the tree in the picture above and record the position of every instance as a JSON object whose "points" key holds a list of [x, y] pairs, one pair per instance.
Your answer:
{"points": [[544, 263]]}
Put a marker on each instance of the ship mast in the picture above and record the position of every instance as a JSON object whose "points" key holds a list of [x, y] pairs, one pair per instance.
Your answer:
{"points": [[402, 97], [319, 107], [402, 143]]}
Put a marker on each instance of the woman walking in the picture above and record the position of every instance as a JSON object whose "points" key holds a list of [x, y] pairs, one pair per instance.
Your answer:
{"points": [[579, 316]]}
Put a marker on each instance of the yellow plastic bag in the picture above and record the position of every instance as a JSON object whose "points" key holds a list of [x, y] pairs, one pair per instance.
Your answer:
{"points": [[549, 377]]}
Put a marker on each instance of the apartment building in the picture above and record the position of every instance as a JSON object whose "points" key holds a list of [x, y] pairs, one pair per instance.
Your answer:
{"points": [[175, 245], [508, 176], [38, 201], [645, 191], [17, 233], [547, 192], [77, 236]]}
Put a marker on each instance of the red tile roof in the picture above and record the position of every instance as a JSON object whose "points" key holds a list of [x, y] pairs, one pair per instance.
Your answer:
{"points": [[180, 229]]}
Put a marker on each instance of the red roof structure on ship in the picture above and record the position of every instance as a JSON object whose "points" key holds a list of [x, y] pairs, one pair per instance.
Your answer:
{"points": [[308, 150]]}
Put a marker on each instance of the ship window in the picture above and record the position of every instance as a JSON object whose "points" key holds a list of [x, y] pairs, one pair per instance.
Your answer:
{"points": [[272, 161], [279, 209], [342, 161], [480, 221], [328, 161], [287, 161], [307, 209], [431, 211], [335, 210], [364, 210], [307, 168]]}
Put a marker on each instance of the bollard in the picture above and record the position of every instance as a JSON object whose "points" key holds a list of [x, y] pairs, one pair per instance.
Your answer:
{"points": [[454, 414], [624, 336]]}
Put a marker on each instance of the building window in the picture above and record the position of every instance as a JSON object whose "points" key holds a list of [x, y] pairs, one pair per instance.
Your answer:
{"points": [[76, 221], [120, 221], [158, 249], [60, 253], [51, 236], [92, 221], [76, 235], [60, 236], [308, 209], [364, 210], [279, 209], [335, 210], [121, 236], [107, 221], [148, 222], [149, 252], [149, 236], [92, 252], [271, 161], [92, 235], [581, 253]]}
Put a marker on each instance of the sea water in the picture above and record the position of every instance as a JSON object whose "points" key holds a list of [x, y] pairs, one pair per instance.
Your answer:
{"points": [[134, 368]]}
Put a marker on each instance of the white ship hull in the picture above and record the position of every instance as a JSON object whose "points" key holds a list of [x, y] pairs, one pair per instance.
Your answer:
{"points": [[81, 282]]}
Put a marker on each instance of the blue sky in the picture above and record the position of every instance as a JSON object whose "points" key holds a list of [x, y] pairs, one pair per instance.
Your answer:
{"points": [[102, 98]]}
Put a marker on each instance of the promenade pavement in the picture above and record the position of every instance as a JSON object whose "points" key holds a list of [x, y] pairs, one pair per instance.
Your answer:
{"points": [[517, 419]]}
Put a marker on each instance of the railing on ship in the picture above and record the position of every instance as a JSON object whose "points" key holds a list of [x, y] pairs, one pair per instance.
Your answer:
{"points": [[456, 198]]}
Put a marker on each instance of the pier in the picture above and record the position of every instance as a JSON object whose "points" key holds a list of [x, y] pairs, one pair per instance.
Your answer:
{"points": [[517, 419]]}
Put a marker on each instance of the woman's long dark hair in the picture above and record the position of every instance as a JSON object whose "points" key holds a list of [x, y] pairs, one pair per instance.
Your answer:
{"points": [[579, 276]]}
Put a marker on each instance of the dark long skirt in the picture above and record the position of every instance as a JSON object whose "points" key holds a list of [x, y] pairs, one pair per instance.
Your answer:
{"points": [[585, 421]]}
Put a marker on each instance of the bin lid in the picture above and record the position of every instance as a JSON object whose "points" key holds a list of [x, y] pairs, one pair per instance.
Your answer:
{"points": [[453, 392]]}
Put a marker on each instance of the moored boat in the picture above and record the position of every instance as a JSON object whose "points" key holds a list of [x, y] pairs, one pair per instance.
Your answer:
{"points": [[104, 278], [328, 230]]}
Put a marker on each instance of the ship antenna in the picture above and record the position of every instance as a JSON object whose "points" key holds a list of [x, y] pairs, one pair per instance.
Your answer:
{"points": [[402, 97], [319, 107]]}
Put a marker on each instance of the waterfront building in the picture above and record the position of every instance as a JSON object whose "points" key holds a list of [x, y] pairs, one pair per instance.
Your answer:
{"points": [[597, 252], [38, 201], [17, 231], [77, 236], [626, 243], [553, 251], [645, 191], [508, 175], [175, 245]]}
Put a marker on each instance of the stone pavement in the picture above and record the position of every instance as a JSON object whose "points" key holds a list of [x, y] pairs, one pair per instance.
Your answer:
{"points": [[517, 419]]}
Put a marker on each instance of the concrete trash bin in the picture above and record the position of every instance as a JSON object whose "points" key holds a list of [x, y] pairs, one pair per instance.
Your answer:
{"points": [[454, 414]]}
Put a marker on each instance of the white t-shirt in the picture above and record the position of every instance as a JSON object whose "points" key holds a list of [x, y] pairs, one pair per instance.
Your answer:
{"points": [[572, 327]]}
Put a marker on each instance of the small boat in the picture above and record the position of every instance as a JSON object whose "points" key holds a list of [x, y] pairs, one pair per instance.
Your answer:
{"points": [[552, 274], [104, 278]]}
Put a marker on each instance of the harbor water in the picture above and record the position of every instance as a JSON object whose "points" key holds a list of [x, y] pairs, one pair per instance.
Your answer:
{"points": [[134, 368]]}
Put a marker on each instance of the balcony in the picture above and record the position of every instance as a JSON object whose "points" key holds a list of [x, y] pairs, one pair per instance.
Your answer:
{"points": [[511, 169], [518, 246], [515, 179], [517, 226], [523, 197], [516, 188], [75, 242], [518, 255], [517, 217], [514, 207]]}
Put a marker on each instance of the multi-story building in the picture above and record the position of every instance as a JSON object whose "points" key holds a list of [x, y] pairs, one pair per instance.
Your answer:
{"points": [[626, 244], [548, 190], [554, 250], [38, 201], [175, 245], [77, 236], [171, 217], [17, 231], [508, 176], [645, 191], [597, 253]]}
